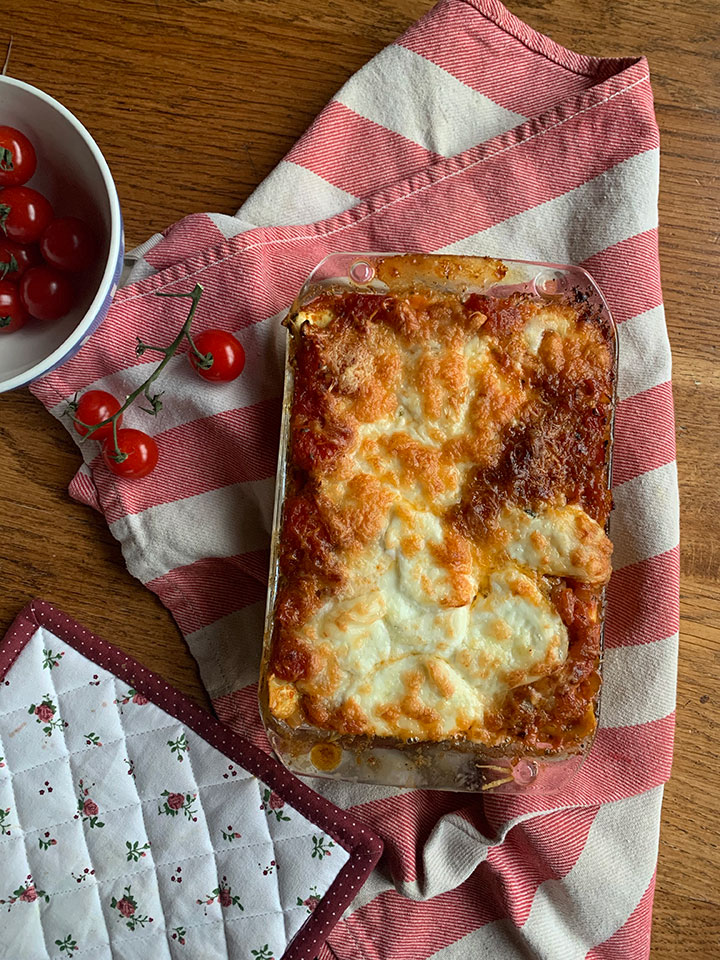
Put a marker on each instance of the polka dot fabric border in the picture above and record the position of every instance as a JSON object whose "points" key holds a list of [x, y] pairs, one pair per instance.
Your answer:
{"points": [[134, 824]]}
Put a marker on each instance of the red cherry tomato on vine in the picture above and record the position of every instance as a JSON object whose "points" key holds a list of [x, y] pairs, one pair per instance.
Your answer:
{"points": [[47, 293], [16, 258], [17, 158], [24, 214], [228, 356], [13, 314], [94, 407], [67, 243], [142, 454]]}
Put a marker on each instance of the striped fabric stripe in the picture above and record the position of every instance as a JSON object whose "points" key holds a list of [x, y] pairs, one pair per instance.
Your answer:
{"points": [[643, 601], [653, 407], [191, 593], [499, 63], [357, 155], [430, 106], [632, 940], [470, 134]]}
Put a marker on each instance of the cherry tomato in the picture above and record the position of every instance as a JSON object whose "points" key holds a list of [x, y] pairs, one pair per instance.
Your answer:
{"points": [[24, 214], [46, 292], [93, 407], [15, 258], [142, 454], [13, 314], [67, 244], [17, 158], [228, 355]]}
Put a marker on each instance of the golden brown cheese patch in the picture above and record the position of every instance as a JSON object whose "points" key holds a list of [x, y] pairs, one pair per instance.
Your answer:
{"points": [[442, 380], [455, 555], [283, 698], [359, 516], [413, 270], [376, 396], [420, 463], [414, 707], [440, 678]]}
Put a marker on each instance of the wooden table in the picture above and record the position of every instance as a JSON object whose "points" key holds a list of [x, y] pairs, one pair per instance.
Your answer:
{"points": [[193, 103]]}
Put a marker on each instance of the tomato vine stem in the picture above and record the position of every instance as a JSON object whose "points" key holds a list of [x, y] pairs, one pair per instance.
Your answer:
{"points": [[154, 400]]}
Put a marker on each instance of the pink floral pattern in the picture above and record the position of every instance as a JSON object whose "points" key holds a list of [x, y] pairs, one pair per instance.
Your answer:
{"points": [[132, 696], [179, 746], [68, 945], [231, 834], [135, 852], [46, 841], [26, 893], [88, 810], [176, 802], [273, 805], [52, 660], [311, 901], [45, 713], [223, 895], [125, 900], [127, 907], [321, 846], [263, 953]]}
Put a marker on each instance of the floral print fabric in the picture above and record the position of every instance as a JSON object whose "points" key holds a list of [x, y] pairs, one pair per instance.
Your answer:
{"points": [[123, 835]]}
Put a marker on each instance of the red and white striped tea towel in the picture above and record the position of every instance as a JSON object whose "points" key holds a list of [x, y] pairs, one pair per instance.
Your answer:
{"points": [[471, 134]]}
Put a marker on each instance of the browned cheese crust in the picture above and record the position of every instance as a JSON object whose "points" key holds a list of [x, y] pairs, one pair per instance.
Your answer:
{"points": [[492, 419]]}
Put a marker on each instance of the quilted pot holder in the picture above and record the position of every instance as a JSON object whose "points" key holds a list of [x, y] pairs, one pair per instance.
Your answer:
{"points": [[134, 825]]}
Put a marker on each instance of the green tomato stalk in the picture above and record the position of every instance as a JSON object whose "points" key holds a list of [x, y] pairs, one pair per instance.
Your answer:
{"points": [[204, 360]]}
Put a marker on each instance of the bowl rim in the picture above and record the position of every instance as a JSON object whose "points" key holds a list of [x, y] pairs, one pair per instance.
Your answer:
{"points": [[116, 231]]}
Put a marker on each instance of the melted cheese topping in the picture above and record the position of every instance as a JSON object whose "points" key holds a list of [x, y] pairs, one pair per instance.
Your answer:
{"points": [[560, 541], [418, 626], [417, 647]]}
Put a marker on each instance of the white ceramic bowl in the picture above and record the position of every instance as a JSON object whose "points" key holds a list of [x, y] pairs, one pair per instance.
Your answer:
{"points": [[73, 175]]}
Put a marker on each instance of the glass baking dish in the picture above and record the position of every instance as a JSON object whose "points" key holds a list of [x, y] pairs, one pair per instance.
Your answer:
{"points": [[459, 765]]}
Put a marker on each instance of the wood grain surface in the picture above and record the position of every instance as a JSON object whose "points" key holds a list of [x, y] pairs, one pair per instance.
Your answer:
{"points": [[193, 103]]}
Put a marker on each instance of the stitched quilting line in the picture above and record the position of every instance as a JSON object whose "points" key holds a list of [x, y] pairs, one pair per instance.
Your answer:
{"points": [[154, 865], [126, 806], [16, 810], [64, 693], [278, 241], [27, 867], [95, 887], [260, 761], [84, 832], [86, 749], [276, 875], [214, 855], [164, 930], [334, 830], [9, 713]]}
